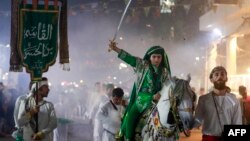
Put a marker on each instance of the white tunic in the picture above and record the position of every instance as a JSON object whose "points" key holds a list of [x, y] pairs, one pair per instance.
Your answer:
{"points": [[229, 112], [16, 109], [46, 119], [110, 119], [97, 131]]}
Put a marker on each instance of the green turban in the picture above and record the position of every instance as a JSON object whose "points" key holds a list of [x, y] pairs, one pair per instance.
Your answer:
{"points": [[161, 51]]}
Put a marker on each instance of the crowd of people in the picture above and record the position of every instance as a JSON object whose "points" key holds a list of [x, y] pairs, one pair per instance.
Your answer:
{"points": [[69, 105], [7, 104], [111, 117]]}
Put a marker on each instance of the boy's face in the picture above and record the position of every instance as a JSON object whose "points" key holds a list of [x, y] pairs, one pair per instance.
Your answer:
{"points": [[117, 100], [156, 59]]}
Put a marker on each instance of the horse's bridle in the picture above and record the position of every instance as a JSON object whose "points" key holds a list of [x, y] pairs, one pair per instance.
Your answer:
{"points": [[175, 101]]}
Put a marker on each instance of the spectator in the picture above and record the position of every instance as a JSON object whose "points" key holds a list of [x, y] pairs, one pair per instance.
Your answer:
{"points": [[110, 115], [217, 108], [245, 105], [45, 111]]}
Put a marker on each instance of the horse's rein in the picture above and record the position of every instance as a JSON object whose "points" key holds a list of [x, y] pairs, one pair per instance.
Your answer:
{"points": [[166, 100], [186, 109]]}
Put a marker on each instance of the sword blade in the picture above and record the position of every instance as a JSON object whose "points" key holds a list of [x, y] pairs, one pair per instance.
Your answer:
{"points": [[123, 14]]}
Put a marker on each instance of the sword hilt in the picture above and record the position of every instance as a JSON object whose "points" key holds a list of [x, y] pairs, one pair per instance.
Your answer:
{"points": [[110, 49]]}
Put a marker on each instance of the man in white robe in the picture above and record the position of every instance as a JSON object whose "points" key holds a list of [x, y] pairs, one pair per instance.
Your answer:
{"points": [[19, 131], [110, 115], [46, 114], [217, 108], [97, 126]]}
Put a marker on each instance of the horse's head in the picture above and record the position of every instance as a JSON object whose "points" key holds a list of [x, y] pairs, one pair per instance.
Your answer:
{"points": [[185, 102], [177, 103]]}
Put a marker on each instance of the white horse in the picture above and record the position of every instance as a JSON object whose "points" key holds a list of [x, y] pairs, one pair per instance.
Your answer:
{"points": [[172, 114]]}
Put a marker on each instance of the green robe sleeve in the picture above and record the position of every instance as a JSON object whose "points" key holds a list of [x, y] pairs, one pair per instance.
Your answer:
{"points": [[128, 58]]}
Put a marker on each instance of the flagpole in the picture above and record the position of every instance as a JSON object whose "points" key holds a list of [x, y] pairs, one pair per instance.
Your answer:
{"points": [[36, 115]]}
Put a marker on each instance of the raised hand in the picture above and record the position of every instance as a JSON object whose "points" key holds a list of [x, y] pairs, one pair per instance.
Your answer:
{"points": [[113, 46], [156, 97]]}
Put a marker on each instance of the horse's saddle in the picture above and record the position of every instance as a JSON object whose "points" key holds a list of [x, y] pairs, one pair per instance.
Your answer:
{"points": [[143, 120]]}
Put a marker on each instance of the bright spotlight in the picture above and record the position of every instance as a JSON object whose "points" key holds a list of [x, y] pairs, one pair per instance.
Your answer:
{"points": [[122, 65], [62, 83], [197, 58], [217, 32]]}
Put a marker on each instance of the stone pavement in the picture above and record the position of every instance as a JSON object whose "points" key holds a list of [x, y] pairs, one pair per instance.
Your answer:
{"points": [[195, 136]]}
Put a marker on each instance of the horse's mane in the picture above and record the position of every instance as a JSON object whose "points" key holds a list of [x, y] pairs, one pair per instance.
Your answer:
{"points": [[182, 86]]}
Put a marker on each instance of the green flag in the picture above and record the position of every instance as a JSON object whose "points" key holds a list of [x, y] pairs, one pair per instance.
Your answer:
{"points": [[38, 38]]}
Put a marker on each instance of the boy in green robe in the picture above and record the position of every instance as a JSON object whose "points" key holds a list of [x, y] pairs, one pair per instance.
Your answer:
{"points": [[151, 72]]}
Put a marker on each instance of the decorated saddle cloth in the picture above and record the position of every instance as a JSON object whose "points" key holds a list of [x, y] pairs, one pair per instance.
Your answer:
{"points": [[143, 119]]}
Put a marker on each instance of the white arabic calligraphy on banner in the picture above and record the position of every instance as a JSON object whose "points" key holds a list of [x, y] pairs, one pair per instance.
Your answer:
{"points": [[42, 33]]}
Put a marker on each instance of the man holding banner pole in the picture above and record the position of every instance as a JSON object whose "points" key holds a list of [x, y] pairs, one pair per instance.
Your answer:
{"points": [[47, 120]]}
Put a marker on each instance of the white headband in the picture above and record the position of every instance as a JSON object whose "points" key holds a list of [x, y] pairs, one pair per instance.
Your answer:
{"points": [[33, 87]]}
